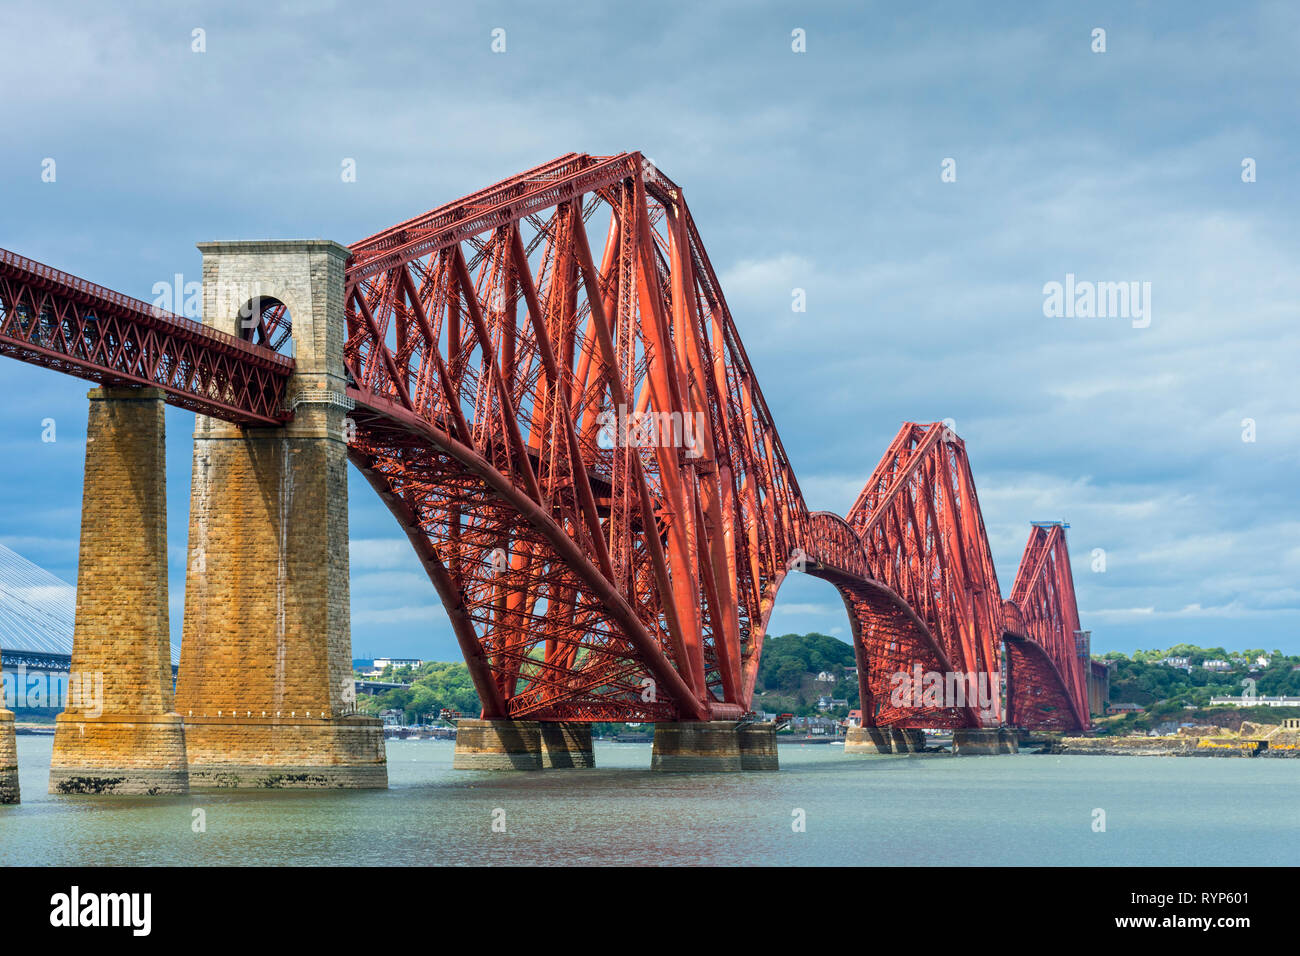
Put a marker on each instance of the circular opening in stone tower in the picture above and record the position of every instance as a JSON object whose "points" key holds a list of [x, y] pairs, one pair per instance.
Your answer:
{"points": [[265, 321]]}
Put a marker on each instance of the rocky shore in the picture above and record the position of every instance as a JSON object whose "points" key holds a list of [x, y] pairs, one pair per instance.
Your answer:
{"points": [[1252, 740]]}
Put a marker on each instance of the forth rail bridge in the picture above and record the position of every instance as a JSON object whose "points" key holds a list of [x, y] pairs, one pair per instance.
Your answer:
{"points": [[468, 362]]}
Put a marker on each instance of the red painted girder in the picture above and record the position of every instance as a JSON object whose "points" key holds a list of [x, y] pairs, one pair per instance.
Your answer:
{"points": [[510, 346], [1043, 611], [51, 318], [919, 522]]}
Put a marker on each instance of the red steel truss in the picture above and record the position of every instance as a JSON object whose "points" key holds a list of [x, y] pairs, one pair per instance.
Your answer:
{"points": [[919, 522], [1047, 654], [575, 443], [50, 318], [577, 447]]}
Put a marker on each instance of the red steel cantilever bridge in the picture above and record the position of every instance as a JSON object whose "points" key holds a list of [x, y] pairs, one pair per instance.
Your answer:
{"points": [[552, 398]]}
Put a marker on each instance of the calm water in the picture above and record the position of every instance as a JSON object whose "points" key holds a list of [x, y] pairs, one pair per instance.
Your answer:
{"points": [[1010, 810]]}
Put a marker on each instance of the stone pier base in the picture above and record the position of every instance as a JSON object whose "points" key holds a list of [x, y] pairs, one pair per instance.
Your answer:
{"points": [[8, 759], [700, 746], [884, 740], [1031, 738], [757, 747], [566, 746], [908, 740], [868, 740], [972, 741], [297, 753], [140, 754], [522, 745]]}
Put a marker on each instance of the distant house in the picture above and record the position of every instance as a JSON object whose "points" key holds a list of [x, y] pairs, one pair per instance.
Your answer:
{"points": [[1283, 701], [1217, 665], [1261, 661], [854, 719], [1181, 663], [381, 663], [1123, 708]]}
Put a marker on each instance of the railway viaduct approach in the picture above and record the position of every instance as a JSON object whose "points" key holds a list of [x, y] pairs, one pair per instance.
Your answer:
{"points": [[543, 383]]}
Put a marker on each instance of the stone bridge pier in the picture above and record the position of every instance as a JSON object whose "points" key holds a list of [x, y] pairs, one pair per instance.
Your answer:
{"points": [[8, 757], [119, 731], [265, 684]]}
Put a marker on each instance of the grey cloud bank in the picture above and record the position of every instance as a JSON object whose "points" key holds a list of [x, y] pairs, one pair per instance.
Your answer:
{"points": [[819, 171]]}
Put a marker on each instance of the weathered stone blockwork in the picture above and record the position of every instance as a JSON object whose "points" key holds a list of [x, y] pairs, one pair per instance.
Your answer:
{"points": [[266, 678], [757, 744], [884, 740], [868, 740], [244, 751], [696, 746], [522, 745], [986, 741], [122, 734], [8, 758]]}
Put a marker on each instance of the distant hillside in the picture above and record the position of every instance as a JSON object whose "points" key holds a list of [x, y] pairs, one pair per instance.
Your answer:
{"points": [[435, 685], [788, 670], [1179, 674], [787, 679]]}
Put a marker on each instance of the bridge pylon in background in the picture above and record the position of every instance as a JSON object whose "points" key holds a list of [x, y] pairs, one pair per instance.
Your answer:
{"points": [[265, 684], [120, 732]]}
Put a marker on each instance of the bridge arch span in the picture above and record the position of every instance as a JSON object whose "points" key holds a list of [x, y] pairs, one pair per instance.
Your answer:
{"points": [[891, 643], [572, 436], [511, 387], [524, 601]]}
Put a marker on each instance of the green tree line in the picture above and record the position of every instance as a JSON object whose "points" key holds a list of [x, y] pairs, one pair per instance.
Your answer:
{"points": [[435, 686]]}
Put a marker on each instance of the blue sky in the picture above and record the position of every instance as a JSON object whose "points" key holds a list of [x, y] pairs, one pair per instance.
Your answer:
{"points": [[817, 170]]}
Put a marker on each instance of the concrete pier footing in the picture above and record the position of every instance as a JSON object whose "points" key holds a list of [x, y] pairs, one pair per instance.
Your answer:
{"points": [[698, 746], [908, 740], [884, 740], [8, 758], [757, 747], [971, 741], [522, 745], [120, 732]]}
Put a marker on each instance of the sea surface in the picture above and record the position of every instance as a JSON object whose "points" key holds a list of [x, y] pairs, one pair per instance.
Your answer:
{"points": [[856, 810]]}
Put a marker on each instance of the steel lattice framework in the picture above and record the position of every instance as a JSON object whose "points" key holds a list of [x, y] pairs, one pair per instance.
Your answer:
{"points": [[579, 452], [51, 318], [1047, 654], [578, 449], [919, 522]]}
